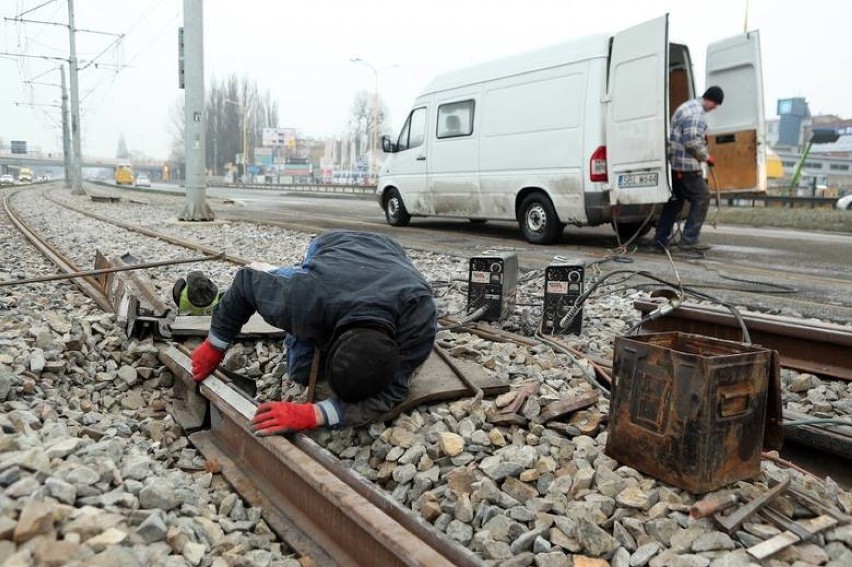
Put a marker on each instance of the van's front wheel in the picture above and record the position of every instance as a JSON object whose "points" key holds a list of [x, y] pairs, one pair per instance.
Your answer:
{"points": [[538, 220], [395, 212]]}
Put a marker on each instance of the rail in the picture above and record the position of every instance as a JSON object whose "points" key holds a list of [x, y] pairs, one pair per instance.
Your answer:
{"points": [[820, 349], [321, 509], [361, 190]]}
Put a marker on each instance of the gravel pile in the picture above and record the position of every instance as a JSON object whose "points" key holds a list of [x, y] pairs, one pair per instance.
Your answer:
{"points": [[92, 469], [540, 492]]}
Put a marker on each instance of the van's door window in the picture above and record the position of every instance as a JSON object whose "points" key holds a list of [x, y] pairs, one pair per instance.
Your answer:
{"points": [[455, 119], [402, 143], [414, 131], [417, 131]]}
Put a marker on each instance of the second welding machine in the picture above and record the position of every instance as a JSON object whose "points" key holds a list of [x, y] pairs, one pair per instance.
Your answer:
{"points": [[493, 282], [563, 286]]}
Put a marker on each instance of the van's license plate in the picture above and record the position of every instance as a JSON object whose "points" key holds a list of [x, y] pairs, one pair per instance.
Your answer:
{"points": [[628, 180]]}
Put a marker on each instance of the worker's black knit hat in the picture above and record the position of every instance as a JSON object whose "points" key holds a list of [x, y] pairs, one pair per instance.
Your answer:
{"points": [[715, 94], [361, 363], [201, 291]]}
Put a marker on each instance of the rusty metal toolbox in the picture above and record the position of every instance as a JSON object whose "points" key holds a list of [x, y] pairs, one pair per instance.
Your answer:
{"points": [[690, 410]]}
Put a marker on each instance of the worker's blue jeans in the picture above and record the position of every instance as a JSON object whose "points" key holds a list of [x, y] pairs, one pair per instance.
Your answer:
{"points": [[300, 352], [690, 187]]}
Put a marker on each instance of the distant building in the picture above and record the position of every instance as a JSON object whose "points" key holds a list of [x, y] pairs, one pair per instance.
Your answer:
{"points": [[827, 164]]}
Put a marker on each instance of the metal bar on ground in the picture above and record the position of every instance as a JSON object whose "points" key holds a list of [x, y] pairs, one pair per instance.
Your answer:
{"points": [[98, 272], [477, 392], [735, 519]]}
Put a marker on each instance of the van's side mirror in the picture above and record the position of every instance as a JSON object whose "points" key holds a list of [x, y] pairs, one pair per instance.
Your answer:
{"points": [[387, 146]]}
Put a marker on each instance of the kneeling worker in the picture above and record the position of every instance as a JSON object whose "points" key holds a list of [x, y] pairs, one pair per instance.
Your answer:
{"points": [[357, 298]]}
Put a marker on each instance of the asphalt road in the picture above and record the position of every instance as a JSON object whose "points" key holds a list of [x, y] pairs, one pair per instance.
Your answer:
{"points": [[783, 271], [788, 272]]}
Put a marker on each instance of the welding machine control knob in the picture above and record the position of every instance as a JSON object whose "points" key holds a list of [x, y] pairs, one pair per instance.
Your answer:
{"points": [[574, 276], [496, 267]]}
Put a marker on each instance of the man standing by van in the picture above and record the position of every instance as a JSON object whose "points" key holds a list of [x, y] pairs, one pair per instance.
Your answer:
{"points": [[688, 150]]}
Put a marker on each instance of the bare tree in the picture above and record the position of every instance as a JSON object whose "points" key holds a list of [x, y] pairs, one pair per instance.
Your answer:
{"points": [[360, 126], [229, 102]]}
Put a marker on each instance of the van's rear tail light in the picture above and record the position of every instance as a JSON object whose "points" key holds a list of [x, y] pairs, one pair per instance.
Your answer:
{"points": [[597, 165]]}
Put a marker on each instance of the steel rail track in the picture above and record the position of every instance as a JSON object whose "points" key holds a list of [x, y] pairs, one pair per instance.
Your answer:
{"points": [[820, 349], [323, 511], [87, 284], [538, 258]]}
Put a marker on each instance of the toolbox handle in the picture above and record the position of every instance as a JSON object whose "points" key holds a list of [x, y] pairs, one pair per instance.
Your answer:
{"points": [[733, 403]]}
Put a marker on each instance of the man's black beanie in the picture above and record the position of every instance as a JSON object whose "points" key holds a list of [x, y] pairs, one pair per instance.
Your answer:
{"points": [[715, 94], [362, 362]]}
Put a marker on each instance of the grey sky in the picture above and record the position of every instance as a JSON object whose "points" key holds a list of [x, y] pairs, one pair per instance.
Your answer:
{"points": [[300, 52]]}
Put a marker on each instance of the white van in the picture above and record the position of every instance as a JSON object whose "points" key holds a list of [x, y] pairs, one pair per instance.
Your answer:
{"points": [[571, 134]]}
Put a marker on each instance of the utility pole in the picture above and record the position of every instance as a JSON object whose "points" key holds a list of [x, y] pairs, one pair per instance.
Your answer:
{"points": [[195, 206], [66, 133], [76, 153]]}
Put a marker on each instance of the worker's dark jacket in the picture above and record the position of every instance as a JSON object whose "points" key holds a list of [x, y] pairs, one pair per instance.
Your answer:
{"points": [[346, 278]]}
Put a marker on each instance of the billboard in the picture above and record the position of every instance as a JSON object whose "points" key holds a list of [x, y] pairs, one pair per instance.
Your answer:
{"points": [[279, 137], [263, 156], [19, 146]]}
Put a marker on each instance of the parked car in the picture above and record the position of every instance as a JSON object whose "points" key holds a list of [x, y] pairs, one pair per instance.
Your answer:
{"points": [[844, 203], [7, 179], [142, 180]]}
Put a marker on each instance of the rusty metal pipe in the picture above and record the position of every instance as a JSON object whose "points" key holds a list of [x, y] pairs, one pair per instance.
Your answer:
{"points": [[476, 390], [710, 506], [72, 275]]}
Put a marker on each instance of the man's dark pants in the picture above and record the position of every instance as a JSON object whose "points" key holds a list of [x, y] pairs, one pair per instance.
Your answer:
{"points": [[687, 186]]}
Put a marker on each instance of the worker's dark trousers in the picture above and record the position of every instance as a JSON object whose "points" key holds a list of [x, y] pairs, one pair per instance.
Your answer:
{"points": [[300, 355], [686, 186]]}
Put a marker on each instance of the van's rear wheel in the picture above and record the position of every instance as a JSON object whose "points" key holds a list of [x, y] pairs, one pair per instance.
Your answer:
{"points": [[395, 212], [538, 220]]}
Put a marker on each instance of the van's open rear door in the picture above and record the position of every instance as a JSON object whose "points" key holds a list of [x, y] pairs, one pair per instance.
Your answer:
{"points": [[736, 133], [637, 117]]}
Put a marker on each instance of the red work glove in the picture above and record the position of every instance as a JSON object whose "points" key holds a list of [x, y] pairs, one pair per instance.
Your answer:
{"points": [[205, 359], [283, 417], [711, 161]]}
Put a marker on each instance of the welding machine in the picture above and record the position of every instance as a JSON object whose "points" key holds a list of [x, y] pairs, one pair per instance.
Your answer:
{"points": [[493, 282], [563, 285]]}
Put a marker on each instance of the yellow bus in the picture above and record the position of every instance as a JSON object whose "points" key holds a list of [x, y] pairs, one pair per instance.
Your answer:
{"points": [[123, 174]]}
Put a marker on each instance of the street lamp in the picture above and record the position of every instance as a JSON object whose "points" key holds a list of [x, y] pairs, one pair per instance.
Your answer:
{"points": [[375, 119], [243, 113]]}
